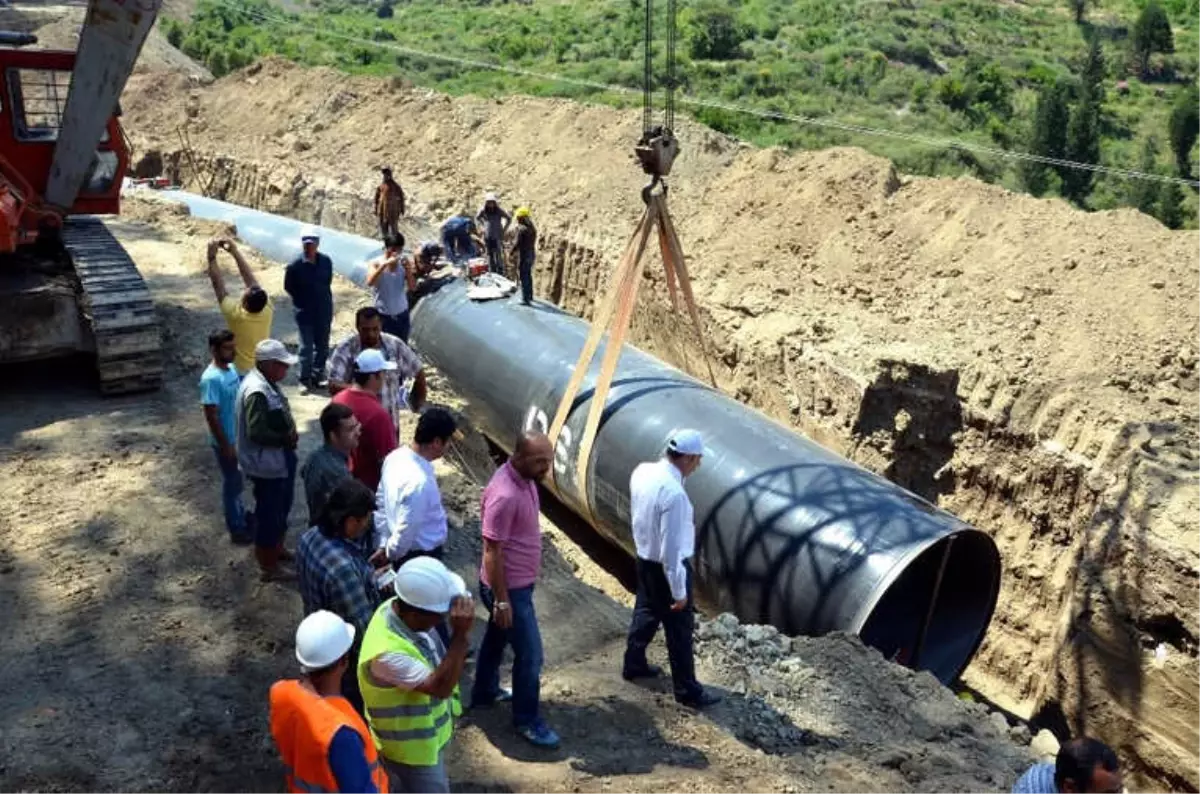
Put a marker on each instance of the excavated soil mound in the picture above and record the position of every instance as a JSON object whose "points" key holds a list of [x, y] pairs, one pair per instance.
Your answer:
{"points": [[1026, 365]]}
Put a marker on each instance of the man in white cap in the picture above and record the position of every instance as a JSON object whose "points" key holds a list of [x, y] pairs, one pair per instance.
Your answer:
{"points": [[378, 437], [495, 223], [324, 744], [409, 677], [308, 280], [664, 533], [266, 447]]}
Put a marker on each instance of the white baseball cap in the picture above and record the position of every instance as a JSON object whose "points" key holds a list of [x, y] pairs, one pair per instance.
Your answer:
{"points": [[274, 350], [687, 442], [490, 197], [321, 639], [371, 360], [309, 233], [426, 583]]}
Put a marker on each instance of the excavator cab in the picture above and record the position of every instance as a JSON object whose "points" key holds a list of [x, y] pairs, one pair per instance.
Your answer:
{"points": [[34, 85], [66, 284]]}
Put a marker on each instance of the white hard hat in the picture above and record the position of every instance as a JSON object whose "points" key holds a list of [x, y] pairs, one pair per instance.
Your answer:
{"points": [[490, 197], [321, 639], [426, 583]]}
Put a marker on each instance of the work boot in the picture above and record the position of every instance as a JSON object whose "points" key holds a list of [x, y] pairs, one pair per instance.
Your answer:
{"points": [[649, 671], [701, 700]]}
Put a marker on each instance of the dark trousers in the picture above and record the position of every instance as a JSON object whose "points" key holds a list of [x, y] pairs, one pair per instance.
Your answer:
{"points": [[350, 689], [526, 270], [272, 504], [652, 608], [397, 324], [495, 256], [231, 495], [438, 553], [458, 245], [388, 227], [314, 346], [526, 642]]}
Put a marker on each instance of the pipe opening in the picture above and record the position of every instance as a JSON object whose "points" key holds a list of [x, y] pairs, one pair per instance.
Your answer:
{"points": [[935, 622]]}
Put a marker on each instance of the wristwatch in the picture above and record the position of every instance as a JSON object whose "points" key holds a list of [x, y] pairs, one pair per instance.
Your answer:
{"points": [[501, 606]]}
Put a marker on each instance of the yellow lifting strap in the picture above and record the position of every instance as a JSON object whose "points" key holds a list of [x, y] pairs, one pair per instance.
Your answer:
{"points": [[614, 316]]}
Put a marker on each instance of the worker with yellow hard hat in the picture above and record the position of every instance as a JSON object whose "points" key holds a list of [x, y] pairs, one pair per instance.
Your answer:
{"points": [[409, 678], [523, 251]]}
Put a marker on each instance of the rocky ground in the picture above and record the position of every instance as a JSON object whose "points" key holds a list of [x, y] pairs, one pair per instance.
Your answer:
{"points": [[1029, 367], [141, 644]]}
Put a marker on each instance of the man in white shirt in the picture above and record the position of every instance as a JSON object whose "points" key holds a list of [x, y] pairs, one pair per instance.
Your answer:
{"points": [[410, 520], [665, 536]]}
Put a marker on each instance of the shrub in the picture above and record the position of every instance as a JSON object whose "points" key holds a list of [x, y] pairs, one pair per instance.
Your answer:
{"points": [[712, 32]]}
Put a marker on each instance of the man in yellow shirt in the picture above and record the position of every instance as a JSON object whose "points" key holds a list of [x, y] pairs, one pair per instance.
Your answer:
{"points": [[250, 317]]}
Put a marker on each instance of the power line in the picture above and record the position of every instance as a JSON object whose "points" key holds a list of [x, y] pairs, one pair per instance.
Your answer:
{"points": [[699, 102]]}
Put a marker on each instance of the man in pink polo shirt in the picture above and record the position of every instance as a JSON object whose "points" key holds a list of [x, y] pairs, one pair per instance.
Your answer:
{"points": [[512, 557]]}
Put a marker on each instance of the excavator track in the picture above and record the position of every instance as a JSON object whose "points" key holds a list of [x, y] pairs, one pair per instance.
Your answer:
{"points": [[117, 305]]}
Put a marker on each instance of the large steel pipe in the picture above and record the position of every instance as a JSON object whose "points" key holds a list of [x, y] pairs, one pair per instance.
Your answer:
{"points": [[788, 532]]}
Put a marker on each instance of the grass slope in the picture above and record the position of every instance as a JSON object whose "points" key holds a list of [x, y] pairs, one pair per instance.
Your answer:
{"points": [[967, 70]]}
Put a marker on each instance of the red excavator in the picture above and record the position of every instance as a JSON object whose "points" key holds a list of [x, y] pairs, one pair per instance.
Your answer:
{"points": [[66, 284]]}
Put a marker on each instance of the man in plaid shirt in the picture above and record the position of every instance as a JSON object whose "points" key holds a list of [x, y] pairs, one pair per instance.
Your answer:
{"points": [[333, 571], [370, 334]]}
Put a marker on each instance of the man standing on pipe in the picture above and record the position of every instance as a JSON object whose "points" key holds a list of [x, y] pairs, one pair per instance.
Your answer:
{"points": [[512, 558], [523, 250], [665, 536], [389, 204], [308, 280], [495, 223]]}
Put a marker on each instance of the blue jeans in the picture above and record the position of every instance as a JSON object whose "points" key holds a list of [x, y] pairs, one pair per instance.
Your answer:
{"points": [[272, 505], [458, 245], [526, 643], [231, 495], [314, 336], [526, 270], [397, 325]]}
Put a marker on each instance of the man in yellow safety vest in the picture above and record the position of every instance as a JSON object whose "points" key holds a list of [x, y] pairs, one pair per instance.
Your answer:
{"points": [[409, 678]]}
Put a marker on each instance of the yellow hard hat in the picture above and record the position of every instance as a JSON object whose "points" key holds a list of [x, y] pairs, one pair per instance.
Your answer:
{"points": [[522, 212]]}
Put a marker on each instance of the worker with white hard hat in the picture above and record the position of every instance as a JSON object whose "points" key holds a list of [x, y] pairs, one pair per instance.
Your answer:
{"points": [[324, 743], [409, 677], [664, 534], [494, 221], [309, 282]]}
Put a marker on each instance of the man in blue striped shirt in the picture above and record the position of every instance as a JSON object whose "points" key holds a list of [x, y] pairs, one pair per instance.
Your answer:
{"points": [[1082, 764]]}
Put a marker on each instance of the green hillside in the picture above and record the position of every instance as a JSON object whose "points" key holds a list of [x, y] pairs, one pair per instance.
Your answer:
{"points": [[1001, 74]]}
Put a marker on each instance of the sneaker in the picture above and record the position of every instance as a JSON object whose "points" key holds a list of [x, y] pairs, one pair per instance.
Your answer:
{"points": [[502, 696], [539, 734], [649, 671], [701, 700]]}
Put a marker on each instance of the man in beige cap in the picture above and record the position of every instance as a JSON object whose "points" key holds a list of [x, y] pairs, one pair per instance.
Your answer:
{"points": [[266, 446], [409, 678]]}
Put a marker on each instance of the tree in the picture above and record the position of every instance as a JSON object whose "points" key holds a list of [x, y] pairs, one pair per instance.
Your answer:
{"points": [[1094, 70], [385, 11], [713, 32], [1144, 193], [1079, 7], [1151, 34], [1049, 135], [1083, 146], [1170, 205], [174, 33], [1185, 128]]}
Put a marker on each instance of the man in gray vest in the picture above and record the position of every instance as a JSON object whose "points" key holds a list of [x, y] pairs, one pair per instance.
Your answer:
{"points": [[266, 446]]}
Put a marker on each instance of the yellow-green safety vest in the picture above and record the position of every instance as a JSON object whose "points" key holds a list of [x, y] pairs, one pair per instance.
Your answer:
{"points": [[409, 727]]}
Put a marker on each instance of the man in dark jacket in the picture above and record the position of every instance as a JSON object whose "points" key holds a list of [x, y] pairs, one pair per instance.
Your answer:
{"points": [[308, 281], [523, 250], [495, 221]]}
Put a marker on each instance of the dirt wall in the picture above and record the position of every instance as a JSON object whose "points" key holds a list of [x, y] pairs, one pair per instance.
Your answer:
{"points": [[1027, 366]]}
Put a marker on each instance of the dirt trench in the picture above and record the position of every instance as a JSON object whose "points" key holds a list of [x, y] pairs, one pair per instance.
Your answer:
{"points": [[1095, 515]]}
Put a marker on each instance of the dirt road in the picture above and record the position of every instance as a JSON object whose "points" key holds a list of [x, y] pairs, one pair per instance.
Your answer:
{"points": [[139, 644]]}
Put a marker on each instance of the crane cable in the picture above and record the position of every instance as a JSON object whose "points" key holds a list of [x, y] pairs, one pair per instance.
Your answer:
{"points": [[699, 102]]}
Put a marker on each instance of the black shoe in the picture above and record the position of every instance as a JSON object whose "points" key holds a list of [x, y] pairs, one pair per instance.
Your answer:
{"points": [[702, 700], [649, 671], [241, 538]]}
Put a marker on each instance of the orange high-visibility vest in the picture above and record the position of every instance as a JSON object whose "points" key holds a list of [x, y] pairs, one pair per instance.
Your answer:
{"points": [[303, 724]]}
